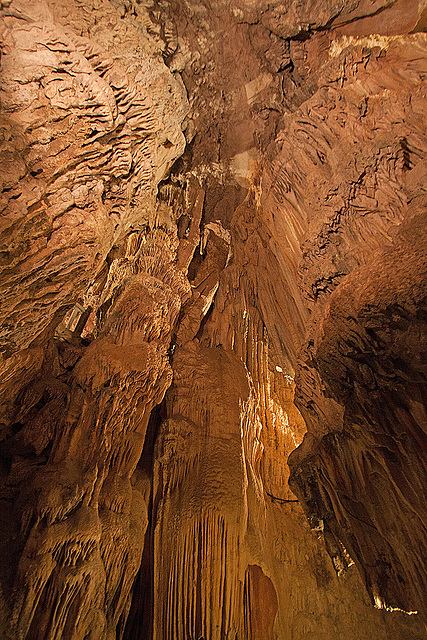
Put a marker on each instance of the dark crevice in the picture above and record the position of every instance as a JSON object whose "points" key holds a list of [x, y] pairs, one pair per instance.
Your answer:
{"points": [[139, 624]]}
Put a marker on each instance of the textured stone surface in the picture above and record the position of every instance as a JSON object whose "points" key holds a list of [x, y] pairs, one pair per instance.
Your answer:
{"points": [[86, 140], [209, 211], [84, 144]]}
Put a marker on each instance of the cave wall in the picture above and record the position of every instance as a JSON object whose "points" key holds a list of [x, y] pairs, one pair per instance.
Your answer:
{"points": [[209, 212]]}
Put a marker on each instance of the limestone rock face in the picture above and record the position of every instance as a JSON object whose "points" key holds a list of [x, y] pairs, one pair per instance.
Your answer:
{"points": [[360, 376], [213, 258], [84, 143]]}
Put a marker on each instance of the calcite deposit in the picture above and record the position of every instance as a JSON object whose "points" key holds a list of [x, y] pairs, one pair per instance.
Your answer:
{"points": [[213, 320]]}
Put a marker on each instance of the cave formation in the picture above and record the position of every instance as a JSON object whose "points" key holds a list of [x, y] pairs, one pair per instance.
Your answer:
{"points": [[213, 320]]}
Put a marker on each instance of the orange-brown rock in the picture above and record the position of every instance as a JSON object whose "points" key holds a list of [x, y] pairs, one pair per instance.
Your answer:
{"points": [[212, 214]]}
